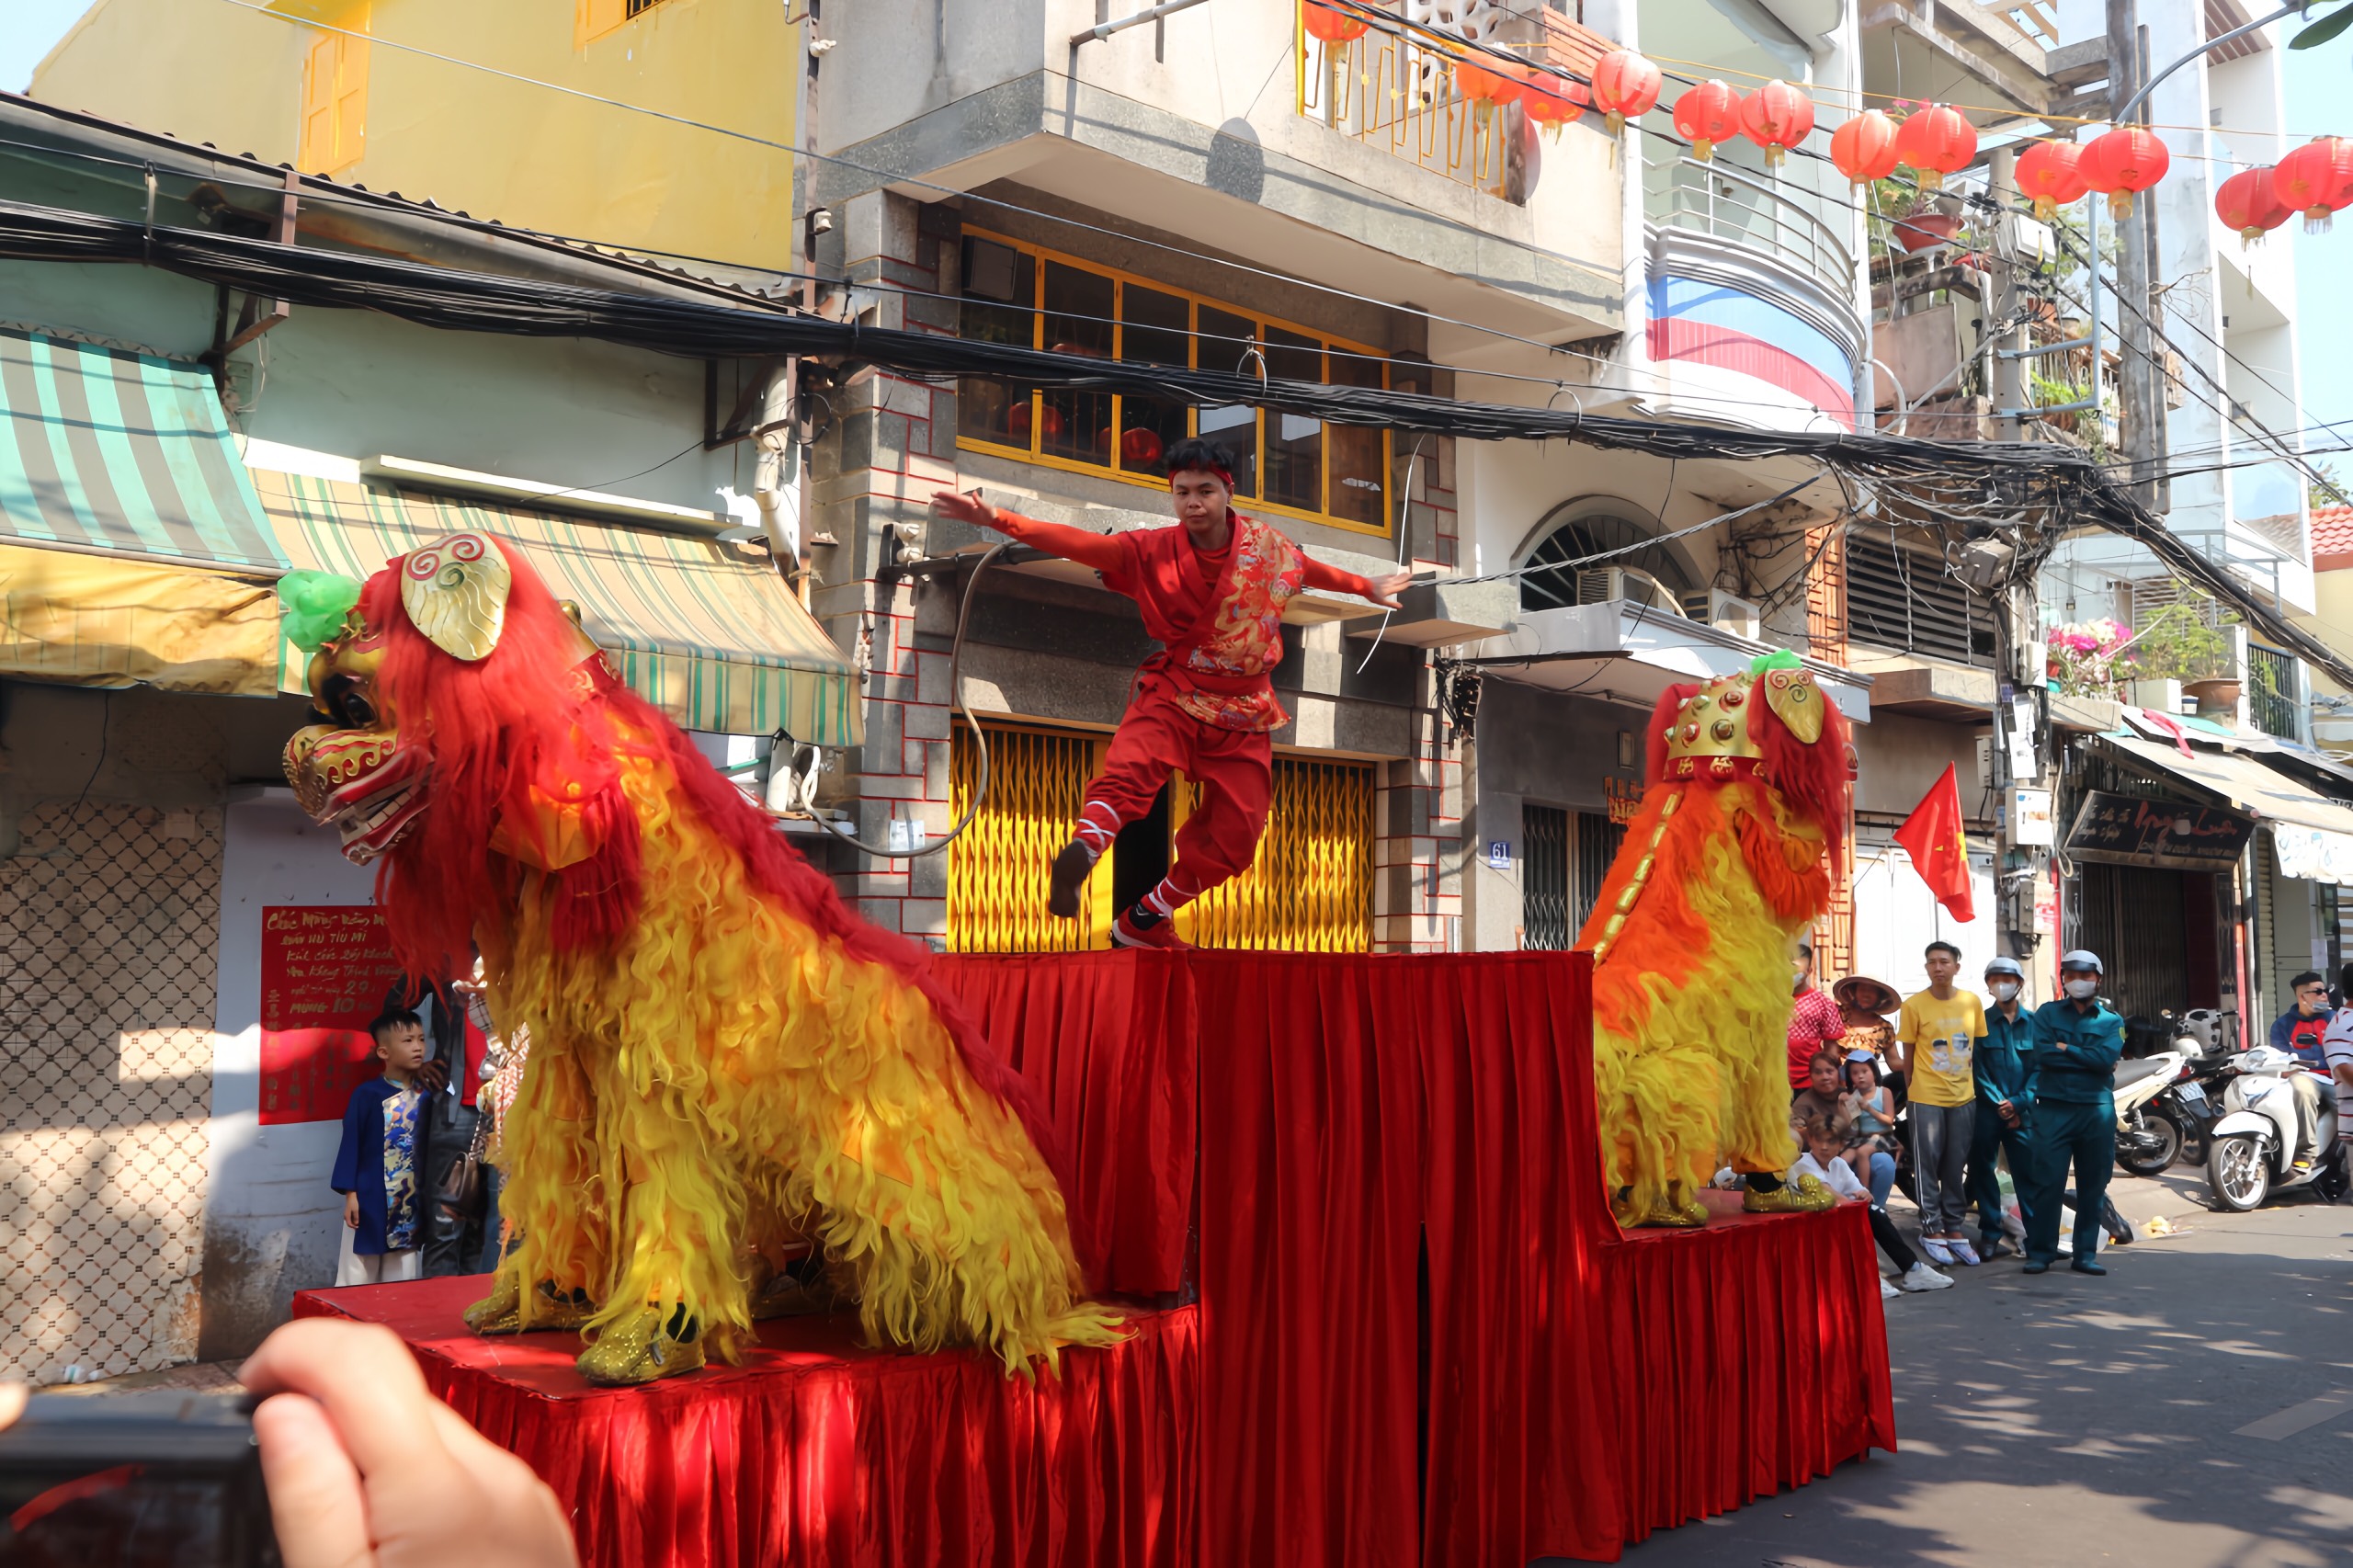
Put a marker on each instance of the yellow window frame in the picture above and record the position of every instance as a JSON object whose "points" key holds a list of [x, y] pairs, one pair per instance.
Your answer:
{"points": [[335, 98], [1256, 505], [591, 20]]}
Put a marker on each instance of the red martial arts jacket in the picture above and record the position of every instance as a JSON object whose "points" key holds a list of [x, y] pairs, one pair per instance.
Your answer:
{"points": [[1218, 617]]}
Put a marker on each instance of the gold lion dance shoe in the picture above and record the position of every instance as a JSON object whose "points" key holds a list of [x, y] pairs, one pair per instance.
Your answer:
{"points": [[1804, 1196], [647, 1344], [501, 1312], [1676, 1208]]}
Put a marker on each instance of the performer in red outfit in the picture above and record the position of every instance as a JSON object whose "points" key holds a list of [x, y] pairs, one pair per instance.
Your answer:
{"points": [[1212, 593]]}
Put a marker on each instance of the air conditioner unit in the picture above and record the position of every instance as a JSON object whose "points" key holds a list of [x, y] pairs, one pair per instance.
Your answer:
{"points": [[1727, 612], [1598, 585]]}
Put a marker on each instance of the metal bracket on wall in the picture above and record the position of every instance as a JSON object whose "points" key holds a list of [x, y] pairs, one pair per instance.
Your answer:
{"points": [[250, 323]]}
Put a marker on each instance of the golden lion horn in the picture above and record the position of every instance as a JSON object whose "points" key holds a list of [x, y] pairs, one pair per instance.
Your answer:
{"points": [[454, 589], [1796, 702]]}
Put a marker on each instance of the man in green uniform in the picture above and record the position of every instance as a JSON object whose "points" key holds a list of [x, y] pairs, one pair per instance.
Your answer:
{"points": [[2076, 1043], [2005, 1066]]}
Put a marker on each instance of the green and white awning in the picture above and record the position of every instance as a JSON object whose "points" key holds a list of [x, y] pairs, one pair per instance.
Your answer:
{"points": [[715, 643], [120, 453]]}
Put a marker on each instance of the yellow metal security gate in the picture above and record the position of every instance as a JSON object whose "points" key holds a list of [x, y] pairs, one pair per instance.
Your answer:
{"points": [[1309, 889], [998, 871]]}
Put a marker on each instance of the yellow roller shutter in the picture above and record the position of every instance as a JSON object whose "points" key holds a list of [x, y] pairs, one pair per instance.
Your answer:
{"points": [[1310, 888], [998, 872]]}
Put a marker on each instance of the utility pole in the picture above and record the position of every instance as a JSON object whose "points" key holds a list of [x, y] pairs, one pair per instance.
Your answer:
{"points": [[2138, 378], [2007, 352]]}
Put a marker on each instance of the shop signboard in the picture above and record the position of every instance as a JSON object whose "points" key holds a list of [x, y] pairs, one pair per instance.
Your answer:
{"points": [[325, 971], [2134, 830], [2312, 853]]}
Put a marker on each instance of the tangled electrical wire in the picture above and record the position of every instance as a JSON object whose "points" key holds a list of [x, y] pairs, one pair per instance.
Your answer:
{"points": [[2028, 493]]}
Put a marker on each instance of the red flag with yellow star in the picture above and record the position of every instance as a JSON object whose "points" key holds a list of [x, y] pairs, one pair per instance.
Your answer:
{"points": [[1939, 850]]}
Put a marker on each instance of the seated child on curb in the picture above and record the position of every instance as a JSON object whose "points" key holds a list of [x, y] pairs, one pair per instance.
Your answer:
{"points": [[1826, 1160], [1871, 1108], [375, 1166]]}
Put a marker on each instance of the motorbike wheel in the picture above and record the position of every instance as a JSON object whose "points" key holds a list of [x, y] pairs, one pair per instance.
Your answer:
{"points": [[2238, 1173], [2162, 1149]]}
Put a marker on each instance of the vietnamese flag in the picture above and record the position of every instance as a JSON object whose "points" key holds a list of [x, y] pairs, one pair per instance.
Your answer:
{"points": [[1939, 850]]}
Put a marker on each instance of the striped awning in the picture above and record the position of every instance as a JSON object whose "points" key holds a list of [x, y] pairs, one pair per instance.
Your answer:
{"points": [[120, 453], [717, 644]]}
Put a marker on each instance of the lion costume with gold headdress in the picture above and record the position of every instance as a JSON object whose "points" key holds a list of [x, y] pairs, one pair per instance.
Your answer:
{"points": [[721, 1052], [1726, 861]]}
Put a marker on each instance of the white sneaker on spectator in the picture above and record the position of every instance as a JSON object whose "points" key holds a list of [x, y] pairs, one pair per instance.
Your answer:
{"points": [[1962, 1252], [1887, 1290], [1920, 1276], [1935, 1249]]}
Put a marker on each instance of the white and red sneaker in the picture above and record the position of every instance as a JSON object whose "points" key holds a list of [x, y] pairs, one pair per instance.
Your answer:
{"points": [[1161, 934]]}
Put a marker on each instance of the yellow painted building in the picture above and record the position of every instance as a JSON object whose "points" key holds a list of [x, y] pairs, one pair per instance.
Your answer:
{"points": [[340, 88]]}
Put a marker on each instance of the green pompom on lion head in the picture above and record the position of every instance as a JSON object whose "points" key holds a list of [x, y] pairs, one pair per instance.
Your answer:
{"points": [[1778, 659], [316, 606]]}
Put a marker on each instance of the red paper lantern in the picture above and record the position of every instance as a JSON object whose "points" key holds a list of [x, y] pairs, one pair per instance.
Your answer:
{"points": [[1935, 141], [1017, 422], [1864, 148], [1777, 117], [1551, 101], [1625, 86], [1139, 447], [1706, 115], [2248, 202], [1497, 84], [2052, 173], [2122, 162], [2315, 179], [1328, 24]]}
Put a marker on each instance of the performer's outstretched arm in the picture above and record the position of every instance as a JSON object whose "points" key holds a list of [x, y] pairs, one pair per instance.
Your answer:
{"points": [[1105, 552], [1331, 580]]}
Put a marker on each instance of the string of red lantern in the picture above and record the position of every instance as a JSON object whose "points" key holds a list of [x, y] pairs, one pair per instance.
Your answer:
{"points": [[1625, 86], [1777, 117], [1706, 115], [1864, 148]]}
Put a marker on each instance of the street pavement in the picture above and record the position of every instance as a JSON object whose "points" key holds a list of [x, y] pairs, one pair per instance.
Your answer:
{"points": [[2193, 1409]]}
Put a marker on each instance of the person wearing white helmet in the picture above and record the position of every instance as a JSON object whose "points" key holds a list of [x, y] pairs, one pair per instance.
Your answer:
{"points": [[2005, 1068], [2077, 1040]]}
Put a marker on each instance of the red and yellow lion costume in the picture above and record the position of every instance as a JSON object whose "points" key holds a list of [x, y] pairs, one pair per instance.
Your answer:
{"points": [[1727, 859], [721, 1053]]}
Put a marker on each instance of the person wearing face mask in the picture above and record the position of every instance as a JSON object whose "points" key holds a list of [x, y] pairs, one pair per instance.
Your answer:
{"points": [[2004, 1069], [2077, 1040], [1813, 1019]]}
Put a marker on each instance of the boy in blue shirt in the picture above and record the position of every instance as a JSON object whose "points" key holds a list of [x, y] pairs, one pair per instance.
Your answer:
{"points": [[2076, 1043], [376, 1165]]}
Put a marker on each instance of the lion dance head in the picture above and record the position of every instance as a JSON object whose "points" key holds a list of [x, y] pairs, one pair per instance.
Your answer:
{"points": [[1742, 820], [723, 1059]]}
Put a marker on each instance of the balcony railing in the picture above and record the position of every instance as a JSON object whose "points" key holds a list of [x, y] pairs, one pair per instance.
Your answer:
{"points": [[1395, 88], [1717, 199]]}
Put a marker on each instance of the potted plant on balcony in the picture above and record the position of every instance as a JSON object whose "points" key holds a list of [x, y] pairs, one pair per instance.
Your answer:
{"points": [[2189, 642]]}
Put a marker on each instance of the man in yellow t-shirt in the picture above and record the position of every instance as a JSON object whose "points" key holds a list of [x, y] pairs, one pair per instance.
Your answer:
{"points": [[1939, 1034]]}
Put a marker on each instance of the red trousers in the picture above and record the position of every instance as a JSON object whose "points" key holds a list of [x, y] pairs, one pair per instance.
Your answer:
{"points": [[1235, 769]]}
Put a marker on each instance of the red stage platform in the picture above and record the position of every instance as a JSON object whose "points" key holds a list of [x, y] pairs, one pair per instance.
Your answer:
{"points": [[1413, 1335]]}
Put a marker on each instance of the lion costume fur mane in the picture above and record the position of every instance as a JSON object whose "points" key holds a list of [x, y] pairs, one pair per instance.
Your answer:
{"points": [[719, 1046], [1692, 988]]}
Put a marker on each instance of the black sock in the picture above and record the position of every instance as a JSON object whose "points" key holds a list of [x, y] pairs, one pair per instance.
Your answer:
{"points": [[1763, 1181]]}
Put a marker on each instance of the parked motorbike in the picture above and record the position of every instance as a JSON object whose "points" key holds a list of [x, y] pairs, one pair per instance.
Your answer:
{"points": [[2149, 1132], [2255, 1143]]}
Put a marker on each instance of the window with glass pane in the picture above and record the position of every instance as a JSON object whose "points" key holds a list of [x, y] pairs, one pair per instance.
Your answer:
{"points": [[1072, 424], [1225, 344], [1000, 286], [1155, 328], [1359, 463], [1294, 441]]}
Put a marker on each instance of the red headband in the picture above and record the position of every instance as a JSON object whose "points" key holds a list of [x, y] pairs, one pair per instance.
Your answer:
{"points": [[1225, 474]]}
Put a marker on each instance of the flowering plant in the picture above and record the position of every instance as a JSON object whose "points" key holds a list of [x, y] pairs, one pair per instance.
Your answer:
{"points": [[2083, 656]]}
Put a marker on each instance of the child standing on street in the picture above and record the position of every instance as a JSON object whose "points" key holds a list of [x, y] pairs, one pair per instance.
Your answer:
{"points": [[1938, 1037], [376, 1166]]}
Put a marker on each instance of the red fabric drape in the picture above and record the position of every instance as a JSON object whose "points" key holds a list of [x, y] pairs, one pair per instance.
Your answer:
{"points": [[1107, 1039], [817, 1452], [1419, 1339]]}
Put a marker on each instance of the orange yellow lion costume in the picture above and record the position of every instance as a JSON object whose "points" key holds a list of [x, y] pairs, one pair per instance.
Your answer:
{"points": [[721, 1053], [1727, 859]]}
